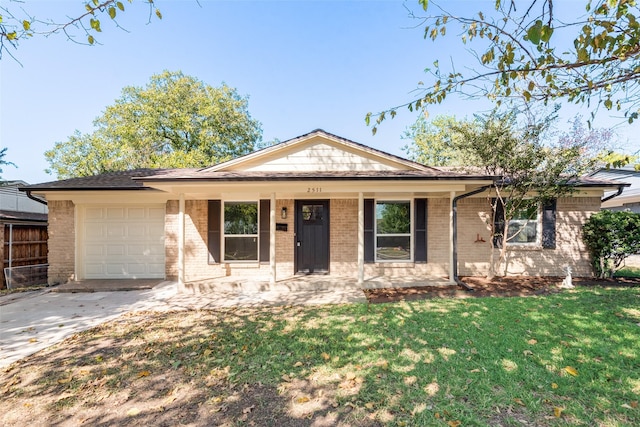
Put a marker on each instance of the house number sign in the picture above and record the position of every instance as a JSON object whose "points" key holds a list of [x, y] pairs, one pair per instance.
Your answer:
{"points": [[314, 189]]}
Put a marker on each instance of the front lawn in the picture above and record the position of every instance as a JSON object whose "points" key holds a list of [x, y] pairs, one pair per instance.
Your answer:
{"points": [[571, 358]]}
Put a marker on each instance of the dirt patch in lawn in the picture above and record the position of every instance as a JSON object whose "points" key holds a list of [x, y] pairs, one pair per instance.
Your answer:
{"points": [[514, 286]]}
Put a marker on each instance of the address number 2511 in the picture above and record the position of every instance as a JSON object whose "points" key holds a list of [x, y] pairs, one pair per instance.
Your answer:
{"points": [[314, 189]]}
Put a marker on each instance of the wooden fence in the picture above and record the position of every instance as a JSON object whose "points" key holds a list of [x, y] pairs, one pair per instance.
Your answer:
{"points": [[25, 245]]}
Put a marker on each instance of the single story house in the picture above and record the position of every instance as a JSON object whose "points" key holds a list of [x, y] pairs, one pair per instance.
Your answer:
{"points": [[629, 198], [317, 203]]}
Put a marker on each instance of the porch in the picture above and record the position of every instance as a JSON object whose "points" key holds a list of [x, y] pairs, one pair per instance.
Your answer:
{"points": [[308, 283]]}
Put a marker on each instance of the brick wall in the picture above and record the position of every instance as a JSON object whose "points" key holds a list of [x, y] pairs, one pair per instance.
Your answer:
{"points": [[438, 236], [197, 265], [171, 240], [344, 246], [474, 221], [343, 237], [474, 236], [474, 232], [62, 241], [285, 240]]}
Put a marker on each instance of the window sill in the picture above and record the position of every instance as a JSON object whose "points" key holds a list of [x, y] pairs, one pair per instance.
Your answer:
{"points": [[394, 264], [524, 247], [241, 264]]}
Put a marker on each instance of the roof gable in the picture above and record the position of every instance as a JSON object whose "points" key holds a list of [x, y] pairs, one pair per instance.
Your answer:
{"points": [[317, 151]]}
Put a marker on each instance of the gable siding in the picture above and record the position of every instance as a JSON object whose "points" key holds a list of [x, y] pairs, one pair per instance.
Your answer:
{"points": [[320, 157]]}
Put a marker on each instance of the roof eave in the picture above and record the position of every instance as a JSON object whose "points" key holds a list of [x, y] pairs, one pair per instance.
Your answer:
{"points": [[47, 189], [489, 179]]}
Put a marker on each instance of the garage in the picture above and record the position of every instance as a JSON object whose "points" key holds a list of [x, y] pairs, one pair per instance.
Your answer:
{"points": [[122, 242]]}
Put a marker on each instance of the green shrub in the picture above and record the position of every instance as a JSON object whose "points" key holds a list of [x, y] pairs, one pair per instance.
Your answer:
{"points": [[611, 237]]}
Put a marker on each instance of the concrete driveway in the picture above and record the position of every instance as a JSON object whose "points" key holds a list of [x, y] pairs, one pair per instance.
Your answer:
{"points": [[37, 320], [40, 319]]}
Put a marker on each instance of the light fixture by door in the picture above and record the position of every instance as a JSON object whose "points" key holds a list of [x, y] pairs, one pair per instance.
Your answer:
{"points": [[283, 213]]}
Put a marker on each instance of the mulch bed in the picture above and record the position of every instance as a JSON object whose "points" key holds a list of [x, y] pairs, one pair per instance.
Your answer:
{"points": [[515, 286]]}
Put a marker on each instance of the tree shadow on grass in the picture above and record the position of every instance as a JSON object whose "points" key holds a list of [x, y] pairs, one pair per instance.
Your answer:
{"points": [[481, 361]]}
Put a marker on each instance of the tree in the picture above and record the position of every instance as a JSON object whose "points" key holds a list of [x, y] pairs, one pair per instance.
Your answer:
{"points": [[532, 171], [3, 162], [17, 24], [174, 121], [433, 142], [611, 237], [525, 51]]}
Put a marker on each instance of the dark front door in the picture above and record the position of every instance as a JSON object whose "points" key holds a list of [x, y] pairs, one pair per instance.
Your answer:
{"points": [[312, 236]]}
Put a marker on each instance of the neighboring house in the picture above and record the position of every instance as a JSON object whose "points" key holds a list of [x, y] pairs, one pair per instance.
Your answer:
{"points": [[630, 196], [23, 232], [317, 203]]}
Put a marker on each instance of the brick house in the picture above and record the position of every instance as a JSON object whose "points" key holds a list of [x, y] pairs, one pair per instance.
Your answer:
{"points": [[317, 203]]}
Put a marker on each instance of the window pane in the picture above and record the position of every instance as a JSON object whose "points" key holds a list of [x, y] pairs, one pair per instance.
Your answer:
{"points": [[393, 248], [527, 212], [523, 231], [393, 217], [523, 228], [241, 248], [240, 218], [312, 212]]}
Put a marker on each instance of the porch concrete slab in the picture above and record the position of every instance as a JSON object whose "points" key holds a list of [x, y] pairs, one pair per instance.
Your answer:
{"points": [[308, 283], [381, 282]]}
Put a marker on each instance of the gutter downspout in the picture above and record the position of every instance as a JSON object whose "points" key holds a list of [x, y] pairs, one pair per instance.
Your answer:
{"points": [[34, 198], [454, 205], [611, 196]]}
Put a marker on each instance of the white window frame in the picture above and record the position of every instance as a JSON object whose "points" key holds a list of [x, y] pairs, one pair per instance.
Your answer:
{"points": [[538, 223], [411, 229], [224, 235]]}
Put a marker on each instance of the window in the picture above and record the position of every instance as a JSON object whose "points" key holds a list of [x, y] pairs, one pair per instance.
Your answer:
{"points": [[241, 231], [312, 213], [393, 231], [524, 227]]}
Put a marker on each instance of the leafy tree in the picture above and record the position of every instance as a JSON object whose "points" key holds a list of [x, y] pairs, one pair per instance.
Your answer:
{"points": [[175, 121], [17, 24], [394, 217], [525, 51], [433, 141], [532, 170], [613, 159], [611, 237], [3, 162]]}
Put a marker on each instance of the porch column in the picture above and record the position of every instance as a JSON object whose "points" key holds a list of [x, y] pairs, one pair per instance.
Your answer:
{"points": [[451, 258], [360, 239], [272, 240], [181, 233]]}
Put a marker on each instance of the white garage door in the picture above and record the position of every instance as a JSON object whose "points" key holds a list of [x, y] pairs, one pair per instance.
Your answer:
{"points": [[124, 242]]}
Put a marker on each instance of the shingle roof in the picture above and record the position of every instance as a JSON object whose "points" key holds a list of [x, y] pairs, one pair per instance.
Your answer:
{"points": [[121, 180], [587, 181], [9, 216], [190, 175], [134, 179]]}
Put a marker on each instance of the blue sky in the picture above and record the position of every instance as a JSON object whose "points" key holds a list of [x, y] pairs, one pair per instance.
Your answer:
{"points": [[304, 65]]}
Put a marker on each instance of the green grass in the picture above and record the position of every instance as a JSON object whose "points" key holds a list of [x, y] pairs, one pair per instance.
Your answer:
{"points": [[628, 272], [480, 362]]}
